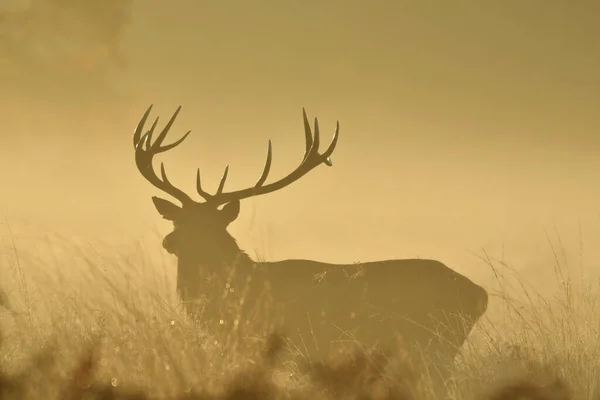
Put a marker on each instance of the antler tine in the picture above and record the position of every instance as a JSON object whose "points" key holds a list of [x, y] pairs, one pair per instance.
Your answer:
{"points": [[137, 134], [205, 195], [267, 168], [149, 134], [223, 179], [311, 159], [331, 148], [314, 149], [307, 133], [156, 147], [145, 151]]}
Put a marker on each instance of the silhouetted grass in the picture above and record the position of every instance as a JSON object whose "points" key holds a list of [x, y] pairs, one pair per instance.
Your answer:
{"points": [[81, 321]]}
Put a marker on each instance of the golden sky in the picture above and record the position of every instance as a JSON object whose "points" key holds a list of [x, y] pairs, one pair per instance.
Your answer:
{"points": [[463, 124]]}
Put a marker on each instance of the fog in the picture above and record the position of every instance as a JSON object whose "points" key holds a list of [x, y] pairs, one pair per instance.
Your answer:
{"points": [[463, 128]]}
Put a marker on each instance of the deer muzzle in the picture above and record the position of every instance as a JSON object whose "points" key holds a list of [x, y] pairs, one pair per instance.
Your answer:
{"points": [[170, 243]]}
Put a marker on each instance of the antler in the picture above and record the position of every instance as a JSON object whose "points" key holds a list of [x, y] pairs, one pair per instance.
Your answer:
{"points": [[145, 151], [311, 159]]}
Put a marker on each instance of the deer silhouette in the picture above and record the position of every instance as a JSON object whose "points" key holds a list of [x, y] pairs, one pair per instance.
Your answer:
{"points": [[420, 303]]}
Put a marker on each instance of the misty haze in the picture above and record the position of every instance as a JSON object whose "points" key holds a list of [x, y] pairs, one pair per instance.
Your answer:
{"points": [[468, 135]]}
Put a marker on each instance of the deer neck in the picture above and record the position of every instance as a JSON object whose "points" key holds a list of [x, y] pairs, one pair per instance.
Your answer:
{"points": [[203, 263]]}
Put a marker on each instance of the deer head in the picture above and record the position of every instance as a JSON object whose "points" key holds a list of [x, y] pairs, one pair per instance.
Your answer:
{"points": [[200, 228]]}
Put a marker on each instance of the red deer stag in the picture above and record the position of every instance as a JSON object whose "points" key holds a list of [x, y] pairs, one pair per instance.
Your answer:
{"points": [[418, 302]]}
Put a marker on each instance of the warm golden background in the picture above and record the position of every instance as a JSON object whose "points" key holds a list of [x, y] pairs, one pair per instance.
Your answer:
{"points": [[464, 125]]}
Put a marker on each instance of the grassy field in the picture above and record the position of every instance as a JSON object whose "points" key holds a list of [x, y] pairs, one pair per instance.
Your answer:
{"points": [[82, 320]]}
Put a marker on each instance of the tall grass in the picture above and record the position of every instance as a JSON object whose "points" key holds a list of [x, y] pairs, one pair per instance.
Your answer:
{"points": [[89, 320]]}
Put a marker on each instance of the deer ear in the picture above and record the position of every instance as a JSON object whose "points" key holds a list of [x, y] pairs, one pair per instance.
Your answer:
{"points": [[168, 210], [230, 211]]}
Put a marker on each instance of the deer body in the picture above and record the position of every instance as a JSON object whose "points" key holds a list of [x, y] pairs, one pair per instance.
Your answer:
{"points": [[423, 303]]}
